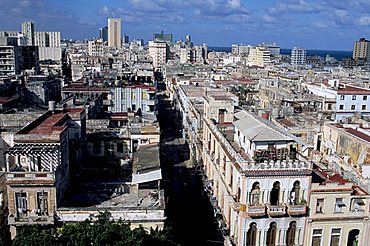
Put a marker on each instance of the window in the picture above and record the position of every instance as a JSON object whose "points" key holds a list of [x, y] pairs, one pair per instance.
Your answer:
{"points": [[42, 203], [319, 205], [364, 98], [254, 199], [21, 204], [271, 234], [335, 237], [341, 97], [316, 237], [341, 106], [339, 204], [252, 234], [329, 106], [358, 205], [294, 194], [274, 195], [290, 238], [363, 107], [353, 107]]}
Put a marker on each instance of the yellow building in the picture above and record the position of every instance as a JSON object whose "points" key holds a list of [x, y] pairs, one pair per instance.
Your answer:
{"points": [[339, 212]]}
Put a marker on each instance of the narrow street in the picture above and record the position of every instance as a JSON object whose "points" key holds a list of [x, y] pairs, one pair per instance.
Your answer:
{"points": [[188, 209]]}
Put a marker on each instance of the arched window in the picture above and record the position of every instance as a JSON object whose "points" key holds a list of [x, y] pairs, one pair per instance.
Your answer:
{"points": [[271, 234], [353, 236], [254, 199], [252, 234], [275, 192], [290, 237], [295, 193]]}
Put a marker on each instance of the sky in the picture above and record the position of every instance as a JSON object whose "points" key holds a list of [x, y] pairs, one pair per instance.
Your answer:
{"points": [[311, 24]]}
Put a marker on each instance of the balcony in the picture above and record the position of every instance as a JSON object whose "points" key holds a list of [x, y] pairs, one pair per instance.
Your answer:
{"points": [[295, 210], [276, 210], [50, 176], [256, 211], [30, 220]]}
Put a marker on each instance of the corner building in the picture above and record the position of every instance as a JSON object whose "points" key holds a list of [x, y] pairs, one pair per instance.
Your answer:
{"points": [[256, 181]]}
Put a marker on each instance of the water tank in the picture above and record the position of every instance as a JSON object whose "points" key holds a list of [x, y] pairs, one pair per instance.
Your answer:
{"points": [[52, 105]]}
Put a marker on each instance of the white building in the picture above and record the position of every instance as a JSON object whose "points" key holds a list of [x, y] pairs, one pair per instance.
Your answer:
{"points": [[29, 31], [240, 49], [49, 45], [185, 55], [158, 52], [273, 48], [95, 47], [259, 56], [351, 100], [298, 56], [132, 98], [114, 32]]}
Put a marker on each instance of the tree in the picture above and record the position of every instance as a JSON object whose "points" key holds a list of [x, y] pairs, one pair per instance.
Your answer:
{"points": [[97, 230]]}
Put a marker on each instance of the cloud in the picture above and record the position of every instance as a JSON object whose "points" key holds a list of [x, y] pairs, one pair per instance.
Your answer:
{"points": [[295, 7], [364, 21]]}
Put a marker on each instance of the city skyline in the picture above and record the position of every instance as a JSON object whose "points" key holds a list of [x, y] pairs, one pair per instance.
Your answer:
{"points": [[309, 24]]}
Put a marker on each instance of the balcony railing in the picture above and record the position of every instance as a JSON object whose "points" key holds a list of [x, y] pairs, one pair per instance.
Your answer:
{"points": [[29, 220], [256, 211], [30, 175], [294, 210], [276, 210]]}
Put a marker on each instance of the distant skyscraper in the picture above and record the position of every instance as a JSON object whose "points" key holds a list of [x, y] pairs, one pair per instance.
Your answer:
{"points": [[28, 31], [361, 50], [114, 32], [163, 37], [126, 39], [103, 34], [298, 56]]}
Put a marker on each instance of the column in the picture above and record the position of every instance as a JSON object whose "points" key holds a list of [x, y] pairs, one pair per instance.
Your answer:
{"points": [[51, 161], [261, 199], [7, 163], [29, 159]]}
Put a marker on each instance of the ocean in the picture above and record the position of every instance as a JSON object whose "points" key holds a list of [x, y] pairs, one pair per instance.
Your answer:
{"points": [[337, 54]]}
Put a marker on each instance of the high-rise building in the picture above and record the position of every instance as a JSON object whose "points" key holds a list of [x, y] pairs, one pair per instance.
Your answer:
{"points": [[114, 32], [158, 52], [163, 37], [361, 50], [95, 47], [28, 30], [259, 56], [298, 56], [103, 34], [49, 45]]}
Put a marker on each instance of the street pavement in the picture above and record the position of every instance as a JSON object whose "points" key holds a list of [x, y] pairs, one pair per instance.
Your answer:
{"points": [[188, 210]]}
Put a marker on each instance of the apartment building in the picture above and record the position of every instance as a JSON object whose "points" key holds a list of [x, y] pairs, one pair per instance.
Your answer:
{"points": [[361, 50], [133, 98], [259, 56], [351, 101], [38, 166], [298, 56], [95, 47], [339, 212], [257, 185], [158, 52]]}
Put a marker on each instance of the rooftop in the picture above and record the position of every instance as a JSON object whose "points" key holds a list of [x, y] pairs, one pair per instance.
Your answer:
{"points": [[352, 90], [50, 122]]}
